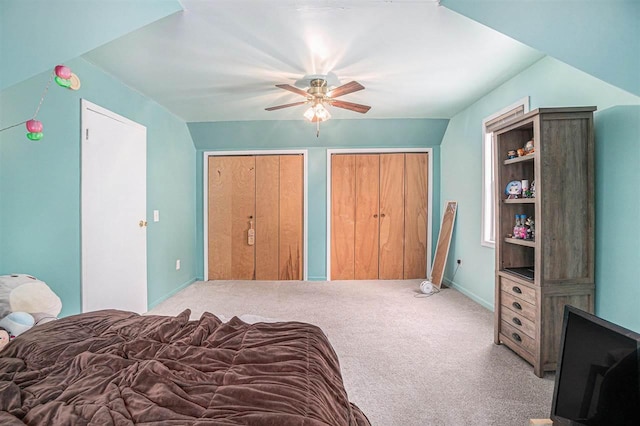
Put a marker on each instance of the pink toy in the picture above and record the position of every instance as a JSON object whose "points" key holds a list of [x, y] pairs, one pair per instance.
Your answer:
{"points": [[34, 126], [63, 72]]}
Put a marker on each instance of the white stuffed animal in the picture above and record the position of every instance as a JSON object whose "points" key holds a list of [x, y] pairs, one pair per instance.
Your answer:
{"points": [[24, 302]]}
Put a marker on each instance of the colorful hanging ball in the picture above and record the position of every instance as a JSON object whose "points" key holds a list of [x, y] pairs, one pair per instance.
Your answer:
{"points": [[35, 136], [63, 72], [62, 82], [34, 126]]}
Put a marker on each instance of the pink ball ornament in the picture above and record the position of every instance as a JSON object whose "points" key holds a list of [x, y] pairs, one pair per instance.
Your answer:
{"points": [[63, 72], [34, 126]]}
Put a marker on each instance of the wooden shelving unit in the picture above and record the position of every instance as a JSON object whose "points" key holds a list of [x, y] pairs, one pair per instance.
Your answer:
{"points": [[536, 278]]}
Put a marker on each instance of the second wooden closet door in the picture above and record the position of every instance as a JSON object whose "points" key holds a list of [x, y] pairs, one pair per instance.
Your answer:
{"points": [[378, 216], [265, 192]]}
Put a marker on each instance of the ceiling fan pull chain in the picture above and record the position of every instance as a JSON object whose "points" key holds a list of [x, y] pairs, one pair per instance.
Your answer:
{"points": [[318, 129]]}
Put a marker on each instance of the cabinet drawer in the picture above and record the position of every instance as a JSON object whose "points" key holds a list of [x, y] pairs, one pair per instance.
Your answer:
{"points": [[518, 338], [518, 305], [518, 290], [518, 322]]}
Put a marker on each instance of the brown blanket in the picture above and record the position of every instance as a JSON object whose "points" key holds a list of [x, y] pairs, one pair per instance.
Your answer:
{"points": [[119, 368]]}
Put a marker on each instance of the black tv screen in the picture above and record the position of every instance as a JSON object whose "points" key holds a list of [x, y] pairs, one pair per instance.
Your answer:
{"points": [[598, 374]]}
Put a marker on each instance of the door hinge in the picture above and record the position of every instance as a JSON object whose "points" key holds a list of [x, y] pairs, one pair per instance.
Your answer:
{"points": [[86, 134]]}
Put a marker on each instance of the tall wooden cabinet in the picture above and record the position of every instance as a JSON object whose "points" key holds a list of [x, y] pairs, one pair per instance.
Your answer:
{"points": [[263, 192], [379, 216], [536, 277]]}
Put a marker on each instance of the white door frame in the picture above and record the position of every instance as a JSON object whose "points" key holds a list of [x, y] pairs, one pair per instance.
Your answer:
{"points": [[429, 151], [85, 107], [205, 197]]}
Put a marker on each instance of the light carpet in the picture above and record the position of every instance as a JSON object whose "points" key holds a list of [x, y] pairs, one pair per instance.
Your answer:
{"points": [[405, 360]]}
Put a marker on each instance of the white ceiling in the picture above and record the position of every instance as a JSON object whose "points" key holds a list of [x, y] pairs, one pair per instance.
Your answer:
{"points": [[220, 60]]}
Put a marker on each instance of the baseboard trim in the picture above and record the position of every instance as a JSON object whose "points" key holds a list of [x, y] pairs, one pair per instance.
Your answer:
{"points": [[166, 296], [316, 278], [469, 294]]}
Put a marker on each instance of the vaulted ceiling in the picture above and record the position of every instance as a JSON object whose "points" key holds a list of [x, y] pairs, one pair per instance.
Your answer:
{"points": [[220, 60]]}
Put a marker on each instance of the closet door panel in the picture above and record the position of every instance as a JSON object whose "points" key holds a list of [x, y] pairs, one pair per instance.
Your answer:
{"points": [[231, 202], [415, 222], [291, 217], [267, 217], [343, 192], [391, 216], [367, 216]]}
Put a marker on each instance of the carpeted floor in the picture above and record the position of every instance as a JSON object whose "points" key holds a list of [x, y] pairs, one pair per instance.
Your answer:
{"points": [[405, 360]]}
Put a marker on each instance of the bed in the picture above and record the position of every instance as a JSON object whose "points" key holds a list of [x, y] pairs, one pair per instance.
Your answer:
{"points": [[116, 368]]}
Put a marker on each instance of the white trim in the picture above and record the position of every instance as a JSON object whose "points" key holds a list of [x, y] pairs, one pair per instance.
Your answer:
{"points": [[429, 151], [525, 103], [205, 198]]}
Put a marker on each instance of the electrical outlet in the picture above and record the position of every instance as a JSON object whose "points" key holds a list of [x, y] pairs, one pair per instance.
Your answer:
{"points": [[177, 264], [459, 261]]}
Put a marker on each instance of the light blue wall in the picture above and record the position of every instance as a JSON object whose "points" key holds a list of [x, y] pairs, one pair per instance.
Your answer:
{"points": [[600, 37], [40, 184], [549, 83], [617, 209], [36, 35], [260, 135]]}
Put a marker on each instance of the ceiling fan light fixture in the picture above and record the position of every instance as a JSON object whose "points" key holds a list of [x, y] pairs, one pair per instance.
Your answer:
{"points": [[317, 112], [322, 114], [309, 113]]}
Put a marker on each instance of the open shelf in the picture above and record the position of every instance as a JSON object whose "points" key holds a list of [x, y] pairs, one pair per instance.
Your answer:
{"points": [[526, 272], [520, 201], [520, 242], [528, 157]]}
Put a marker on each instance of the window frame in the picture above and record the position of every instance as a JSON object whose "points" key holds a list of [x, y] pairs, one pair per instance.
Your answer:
{"points": [[488, 182]]}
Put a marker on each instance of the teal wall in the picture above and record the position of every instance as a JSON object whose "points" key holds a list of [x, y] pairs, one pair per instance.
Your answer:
{"points": [[600, 37], [549, 83], [36, 35], [40, 184], [260, 135], [617, 209]]}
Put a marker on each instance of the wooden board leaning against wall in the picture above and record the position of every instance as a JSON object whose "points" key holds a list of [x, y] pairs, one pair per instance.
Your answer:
{"points": [[260, 192], [379, 216]]}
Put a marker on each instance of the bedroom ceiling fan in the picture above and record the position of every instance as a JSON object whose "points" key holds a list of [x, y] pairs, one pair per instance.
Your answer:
{"points": [[319, 96]]}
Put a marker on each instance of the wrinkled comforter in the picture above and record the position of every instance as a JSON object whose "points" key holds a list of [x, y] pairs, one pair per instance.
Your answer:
{"points": [[119, 368]]}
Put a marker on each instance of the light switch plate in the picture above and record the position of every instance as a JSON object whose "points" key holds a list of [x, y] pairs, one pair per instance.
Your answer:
{"points": [[156, 215]]}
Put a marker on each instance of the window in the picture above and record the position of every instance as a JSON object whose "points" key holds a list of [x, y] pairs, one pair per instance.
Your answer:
{"points": [[488, 179]]}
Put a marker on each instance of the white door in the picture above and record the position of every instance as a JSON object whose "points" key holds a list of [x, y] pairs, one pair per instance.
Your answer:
{"points": [[114, 204]]}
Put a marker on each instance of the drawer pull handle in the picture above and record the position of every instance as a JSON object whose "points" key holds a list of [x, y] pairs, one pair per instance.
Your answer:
{"points": [[516, 337], [516, 321], [517, 305], [516, 289]]}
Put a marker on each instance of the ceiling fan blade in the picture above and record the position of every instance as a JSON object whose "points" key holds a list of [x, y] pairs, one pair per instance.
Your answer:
{"points": [[273, 108], [292, 89], [351, 106], [352, 86]]}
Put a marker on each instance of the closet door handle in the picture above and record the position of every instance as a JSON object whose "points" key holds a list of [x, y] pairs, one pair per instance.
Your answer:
{"points": [[251, 217], [375, 215], [382, 215]]}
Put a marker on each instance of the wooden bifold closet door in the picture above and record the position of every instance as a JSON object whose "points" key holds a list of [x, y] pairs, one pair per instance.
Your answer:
{"points": [[379, 216], [263, 192]]}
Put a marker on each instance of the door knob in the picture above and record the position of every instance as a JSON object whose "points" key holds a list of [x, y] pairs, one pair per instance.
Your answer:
{"points": [[382, 215], [142, 223]]}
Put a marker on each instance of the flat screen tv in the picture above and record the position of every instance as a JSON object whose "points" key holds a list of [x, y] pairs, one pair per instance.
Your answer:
{"points": [[598, 373]]}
